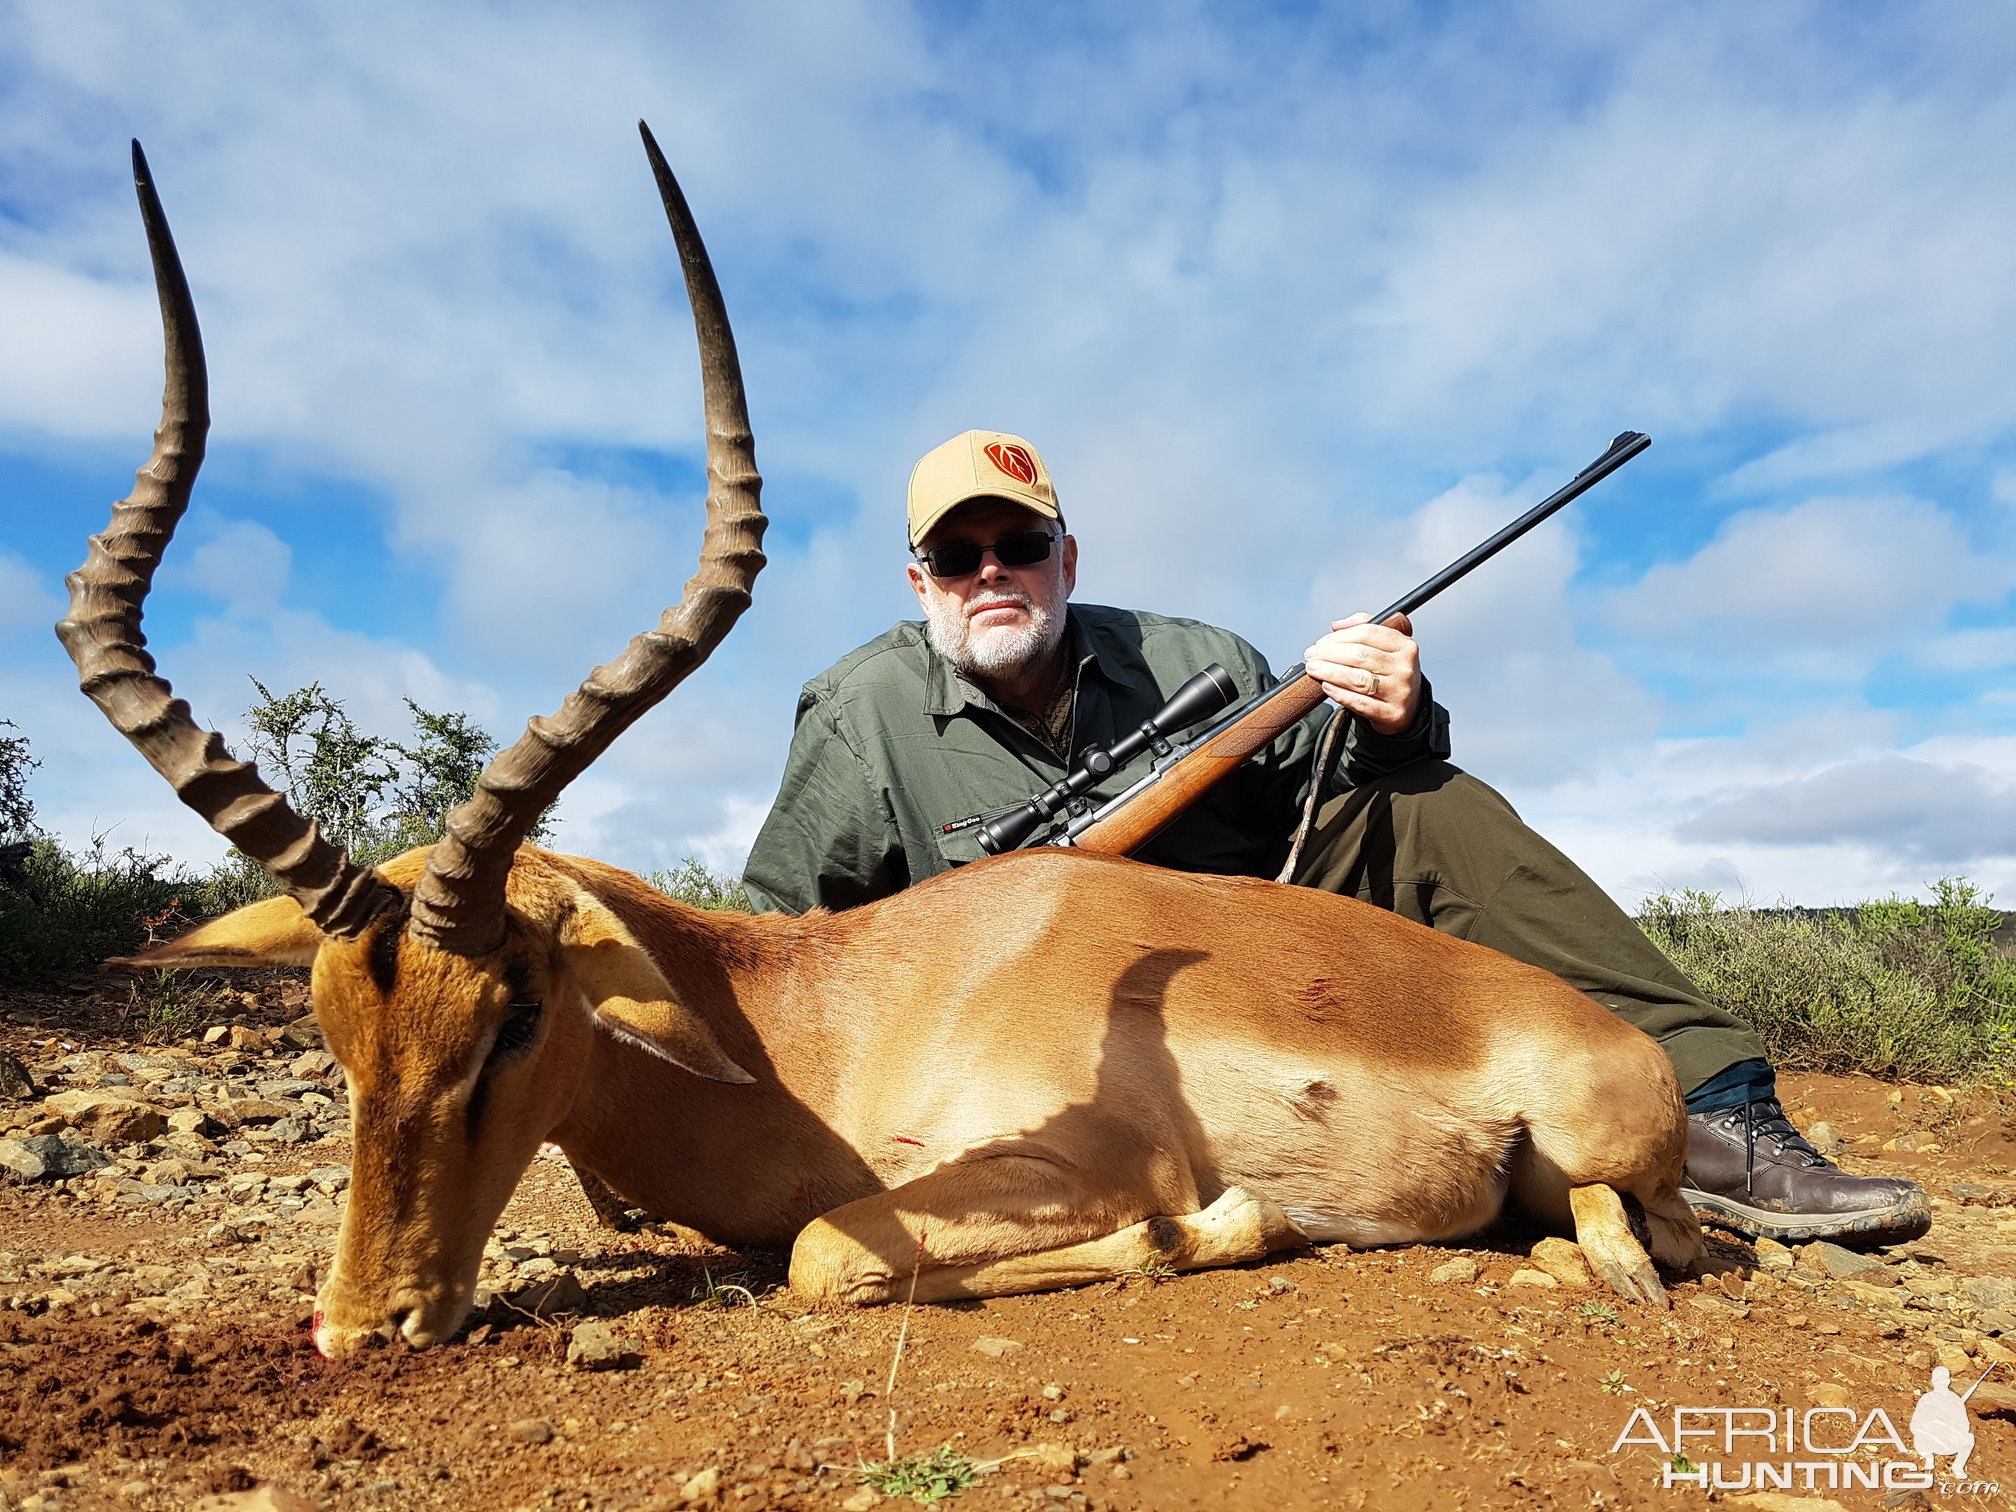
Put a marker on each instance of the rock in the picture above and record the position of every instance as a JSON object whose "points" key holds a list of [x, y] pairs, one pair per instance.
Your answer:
{"points": [[1823, 1137], [1458, 1272], [311, 1064], [561, 1293], [1771, 1255], [994, 1349], [1784, 1501], [1562, 1259], [1954, 1358], [1832, 1260], [1057, 1459], [1110, 1456], [244, 1037], [216, 1034], [194, 1122], [287, 1131], [109, 1119], [705, 1485], [303, 1034], [50, 1157], [15, 1081], [1973, 1191], [1990, 1292], [259, 1110], [861, 1500], [1887, 1295], [2000, 1320], [1827, 1394], [258, 1499], [594, 1345], [1537, 1278], [1988, 1349], [529, 1431], [177, 1172]]}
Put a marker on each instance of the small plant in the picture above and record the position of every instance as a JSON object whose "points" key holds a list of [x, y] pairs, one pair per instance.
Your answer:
{"points": [[1612, 1383], [1598, 1312], [712, 1293], [691, 882], [1681, 1465], [942, 1473], [171, 1005], [1154, 1272]]}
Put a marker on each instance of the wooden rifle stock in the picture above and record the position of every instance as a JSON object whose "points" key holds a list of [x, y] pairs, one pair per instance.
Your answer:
{"points": [[1139, 814], [1136, 822]]}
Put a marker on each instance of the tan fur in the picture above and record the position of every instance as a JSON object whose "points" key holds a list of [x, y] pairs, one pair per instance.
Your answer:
{"points": [[1127, 1066]]}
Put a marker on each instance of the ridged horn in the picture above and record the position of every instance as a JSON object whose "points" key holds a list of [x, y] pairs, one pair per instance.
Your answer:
{"points": [[458, 904], [102, 633]]}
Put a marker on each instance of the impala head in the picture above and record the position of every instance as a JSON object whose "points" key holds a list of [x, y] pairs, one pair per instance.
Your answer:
{"points": [[460, 986]]}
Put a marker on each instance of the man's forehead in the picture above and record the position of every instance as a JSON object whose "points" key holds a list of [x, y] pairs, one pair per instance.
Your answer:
{"points": [[983, 519]]}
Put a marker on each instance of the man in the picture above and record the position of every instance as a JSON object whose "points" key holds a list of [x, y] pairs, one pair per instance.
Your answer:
{"points": [[978, 707]]}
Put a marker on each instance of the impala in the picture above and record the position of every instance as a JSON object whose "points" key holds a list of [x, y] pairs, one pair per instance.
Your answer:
{"points": [[1042, 1070]]}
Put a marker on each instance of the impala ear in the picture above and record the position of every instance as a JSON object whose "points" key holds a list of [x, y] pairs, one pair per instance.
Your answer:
{"points": [[271, 932], [631, 998]]}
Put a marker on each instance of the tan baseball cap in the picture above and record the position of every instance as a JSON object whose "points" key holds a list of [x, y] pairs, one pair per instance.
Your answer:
{"points": [[979, 464]]}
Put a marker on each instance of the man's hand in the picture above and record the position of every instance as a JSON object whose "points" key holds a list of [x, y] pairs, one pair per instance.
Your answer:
{"points": [[1372, 670]]}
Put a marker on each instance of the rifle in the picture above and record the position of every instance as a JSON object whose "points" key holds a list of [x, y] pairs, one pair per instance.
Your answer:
{"points": [[1183, 772]]}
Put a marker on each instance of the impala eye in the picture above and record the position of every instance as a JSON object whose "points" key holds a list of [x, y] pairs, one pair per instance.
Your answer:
{"points": [[519, 1029]]}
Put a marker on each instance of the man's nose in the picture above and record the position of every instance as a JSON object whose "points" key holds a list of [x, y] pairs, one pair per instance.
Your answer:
{"points": [[991, 569]]}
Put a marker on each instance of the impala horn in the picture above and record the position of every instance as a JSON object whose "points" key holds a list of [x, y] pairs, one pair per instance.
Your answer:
{"points": [[102, 634], [458, 905]]}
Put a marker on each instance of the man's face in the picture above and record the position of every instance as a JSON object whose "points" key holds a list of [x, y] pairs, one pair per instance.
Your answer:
{"points": [[996, 621]]}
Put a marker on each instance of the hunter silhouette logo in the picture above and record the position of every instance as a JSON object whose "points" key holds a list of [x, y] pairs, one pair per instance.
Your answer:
{"points": [[1012, 460]]}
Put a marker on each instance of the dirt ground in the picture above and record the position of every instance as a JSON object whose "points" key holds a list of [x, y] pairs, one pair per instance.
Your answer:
{"points": [[154, 1344]]}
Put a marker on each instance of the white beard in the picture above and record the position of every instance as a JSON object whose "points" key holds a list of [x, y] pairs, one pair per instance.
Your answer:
{"points": [[994, 651]]}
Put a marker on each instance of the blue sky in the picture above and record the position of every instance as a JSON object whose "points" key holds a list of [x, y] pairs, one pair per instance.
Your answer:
{"points": [[1297, 301]]}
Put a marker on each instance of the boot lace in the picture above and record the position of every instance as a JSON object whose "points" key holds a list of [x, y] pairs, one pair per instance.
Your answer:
{"points": [[1765, 1119]]}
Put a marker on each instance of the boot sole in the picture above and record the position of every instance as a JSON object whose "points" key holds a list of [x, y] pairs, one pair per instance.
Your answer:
{"points": [[1893, 1223]]}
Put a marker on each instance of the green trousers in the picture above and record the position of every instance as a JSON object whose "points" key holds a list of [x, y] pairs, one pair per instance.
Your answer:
{"points": [[1433, 844]]}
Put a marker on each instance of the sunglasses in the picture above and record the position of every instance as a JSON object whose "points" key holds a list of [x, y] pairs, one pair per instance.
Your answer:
{"points": [[1025, 548]]}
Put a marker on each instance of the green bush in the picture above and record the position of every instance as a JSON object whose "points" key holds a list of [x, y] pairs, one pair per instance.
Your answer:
{"points": [[1893, 988], [17, 811], [63, 911], [691, 882]]}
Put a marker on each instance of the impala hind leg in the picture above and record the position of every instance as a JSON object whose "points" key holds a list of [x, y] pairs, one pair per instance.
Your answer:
{"points": [[978, 1245], [1613, 1251]]}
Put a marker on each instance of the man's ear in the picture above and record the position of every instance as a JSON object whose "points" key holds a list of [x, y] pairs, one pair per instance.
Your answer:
{"points": [[1070, 564], [630, 997], [917, 585], [271, 932]]}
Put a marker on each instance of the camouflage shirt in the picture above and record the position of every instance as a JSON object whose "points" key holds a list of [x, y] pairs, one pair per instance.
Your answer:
{"points": [[892, 745]]}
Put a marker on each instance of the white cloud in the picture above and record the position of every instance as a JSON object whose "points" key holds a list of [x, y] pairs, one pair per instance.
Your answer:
{"points": [[244, 564], [1834, 574], [1931, 813]]}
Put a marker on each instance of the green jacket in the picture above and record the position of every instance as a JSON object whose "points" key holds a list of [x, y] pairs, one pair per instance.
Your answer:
{"points": [[892, 745]]}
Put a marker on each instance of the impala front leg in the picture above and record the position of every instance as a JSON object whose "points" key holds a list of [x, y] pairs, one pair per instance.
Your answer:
{"points": [[995, 1228]]}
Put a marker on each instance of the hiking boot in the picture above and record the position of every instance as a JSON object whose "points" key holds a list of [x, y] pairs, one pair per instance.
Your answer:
{"points": [[1749, 1170]]}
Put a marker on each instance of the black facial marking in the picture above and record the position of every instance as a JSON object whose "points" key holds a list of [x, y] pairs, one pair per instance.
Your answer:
{"points": [[383, 956]]}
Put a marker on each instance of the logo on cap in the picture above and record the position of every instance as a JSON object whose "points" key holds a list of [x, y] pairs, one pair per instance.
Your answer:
{"points": [[1013, 460]]}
